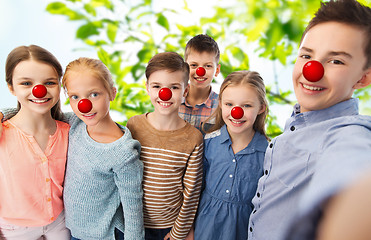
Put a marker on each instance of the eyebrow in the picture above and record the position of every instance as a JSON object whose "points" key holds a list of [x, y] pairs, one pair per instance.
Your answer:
{"points": [[331, 53]]}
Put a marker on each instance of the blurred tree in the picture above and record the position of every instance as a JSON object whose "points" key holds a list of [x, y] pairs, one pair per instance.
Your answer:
{"points": [[127, 33]]}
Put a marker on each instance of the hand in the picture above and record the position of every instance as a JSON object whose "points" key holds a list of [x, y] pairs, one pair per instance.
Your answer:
{"points": [[168, 236], [190, 235]]}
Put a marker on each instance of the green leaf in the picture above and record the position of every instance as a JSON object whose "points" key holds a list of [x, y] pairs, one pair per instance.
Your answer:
{"points": [[61, 9], [112, 31], [162, 21]]}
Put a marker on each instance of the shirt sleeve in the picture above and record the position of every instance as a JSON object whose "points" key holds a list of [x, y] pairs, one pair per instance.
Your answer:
{"points": [[128, 178], [192, 182]]}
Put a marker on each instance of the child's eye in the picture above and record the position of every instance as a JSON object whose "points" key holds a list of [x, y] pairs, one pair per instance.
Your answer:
{"points": [[74, 97], [93, 95], [174, 87], [229, 104], [209, 66], [50, 83], [193, 65], [305, 56], [26, 83], [247, 105], [155, 86], [337, 62]]}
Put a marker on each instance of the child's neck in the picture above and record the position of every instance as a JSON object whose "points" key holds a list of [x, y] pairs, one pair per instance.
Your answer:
{"points": [[165, 122], [242, 140], [106, 131], [198, 95]]}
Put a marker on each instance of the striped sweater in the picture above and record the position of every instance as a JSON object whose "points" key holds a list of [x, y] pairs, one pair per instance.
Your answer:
{"points": [[172, 175]]}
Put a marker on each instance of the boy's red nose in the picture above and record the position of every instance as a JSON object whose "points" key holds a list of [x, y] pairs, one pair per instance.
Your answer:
{"points": [[313, 71], [39, 91], [237, 112], [200, 71], [85, 105], [165, 94]]}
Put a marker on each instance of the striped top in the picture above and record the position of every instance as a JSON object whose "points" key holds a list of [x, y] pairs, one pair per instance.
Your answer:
{"points": [[172, 175]]}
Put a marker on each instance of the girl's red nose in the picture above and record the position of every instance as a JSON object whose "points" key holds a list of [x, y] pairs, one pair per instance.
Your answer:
{"points": [[85, 105], [39, 91], [237, 112]]}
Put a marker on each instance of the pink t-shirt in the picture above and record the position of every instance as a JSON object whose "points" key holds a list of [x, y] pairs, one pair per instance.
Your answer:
{"points": [[31, 180]]}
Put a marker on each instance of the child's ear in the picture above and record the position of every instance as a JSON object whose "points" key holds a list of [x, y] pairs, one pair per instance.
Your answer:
{"points": [[186, 90], [114, 92], [217, 70], [11, 89], [364, 81], [262, 109]]}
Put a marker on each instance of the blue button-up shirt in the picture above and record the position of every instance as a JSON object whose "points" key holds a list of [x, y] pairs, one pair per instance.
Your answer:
{"points": [[318, 153]]}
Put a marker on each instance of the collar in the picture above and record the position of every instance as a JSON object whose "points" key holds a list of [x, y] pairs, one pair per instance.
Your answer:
{"points": [[346, 108]]}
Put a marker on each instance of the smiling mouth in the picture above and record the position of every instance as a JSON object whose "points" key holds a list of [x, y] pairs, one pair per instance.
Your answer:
{"points": [[89, 115], [44, 100], [200, 79], [311, 87], [237, 122], [165, 104]]}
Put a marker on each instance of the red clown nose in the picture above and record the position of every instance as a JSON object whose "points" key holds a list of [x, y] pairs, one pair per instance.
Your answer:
{"points": [[84, 105], [313, 71], [39, 91], [237, 112], [200, 71], [165, 94]]}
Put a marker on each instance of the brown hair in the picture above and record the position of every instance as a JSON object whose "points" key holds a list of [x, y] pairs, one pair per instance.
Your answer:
{"points": [[169, 61], [348, 12], [39, 54], [253, 80], [202, 43], [95, 66]]}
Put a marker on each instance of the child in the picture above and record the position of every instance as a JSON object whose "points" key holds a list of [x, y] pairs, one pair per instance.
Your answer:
{"points": [[326, 143], [233, 158], [171, 152], [33, 149], [202, 55], [103, 167]]}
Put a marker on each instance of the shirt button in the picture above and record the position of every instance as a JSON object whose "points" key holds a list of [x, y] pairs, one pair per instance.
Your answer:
{"points": [[292, 128], [250, 229], [48, 199], [52, 219], [234, 160], [266, 172], [227, 191], [271, 145], [258, 194], [254, 211], [230, 175], [47, 180]]}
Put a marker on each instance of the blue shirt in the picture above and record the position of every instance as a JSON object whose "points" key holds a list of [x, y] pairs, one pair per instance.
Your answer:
{"points": [[230, 183], [317, 155]]}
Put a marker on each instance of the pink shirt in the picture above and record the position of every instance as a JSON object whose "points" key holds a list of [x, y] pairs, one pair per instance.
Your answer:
{"points": [[31, 180]]}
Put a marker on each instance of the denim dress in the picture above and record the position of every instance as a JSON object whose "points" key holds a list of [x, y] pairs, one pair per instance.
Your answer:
{"points": [[230, 184]]}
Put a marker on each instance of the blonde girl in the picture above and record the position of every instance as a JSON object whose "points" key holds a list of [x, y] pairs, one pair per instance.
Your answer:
{"points": [[33, 149], [233, 159], [103, 195]]}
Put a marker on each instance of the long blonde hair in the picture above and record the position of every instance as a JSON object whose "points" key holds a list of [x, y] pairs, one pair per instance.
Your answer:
{"points": [[253, 80]]}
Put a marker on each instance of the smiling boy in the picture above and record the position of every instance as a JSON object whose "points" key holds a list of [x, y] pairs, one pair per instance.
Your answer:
{"points": [[326, 144], [172, 152]]}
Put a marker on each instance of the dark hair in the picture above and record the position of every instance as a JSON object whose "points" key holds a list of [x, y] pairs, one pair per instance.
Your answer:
{"points": [[95, 67], [253, 80], [169, 61], [349, 12], [202, 43], [39, 54]]}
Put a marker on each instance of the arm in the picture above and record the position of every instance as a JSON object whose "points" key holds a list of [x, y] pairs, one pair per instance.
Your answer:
{"points": [[192, 182], [348, 215], [128, 179]]}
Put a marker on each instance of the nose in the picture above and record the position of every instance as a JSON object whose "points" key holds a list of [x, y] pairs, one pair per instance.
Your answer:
{"points": [[39, 91], [237, 112], [200, 71], [165, 94], [84, 105], [313, 71]]}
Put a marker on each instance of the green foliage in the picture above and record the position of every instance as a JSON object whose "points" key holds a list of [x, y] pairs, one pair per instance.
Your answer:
{"points": [[116, 29]]}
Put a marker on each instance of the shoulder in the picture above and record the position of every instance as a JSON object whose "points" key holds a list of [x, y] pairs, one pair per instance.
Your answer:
{"points": [[194, 133], [214, 134], [133, 121]]}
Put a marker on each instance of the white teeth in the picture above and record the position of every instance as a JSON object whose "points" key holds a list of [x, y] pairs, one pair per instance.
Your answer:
{"points": [[236, 122], [89, 115], [312, 88], [200, 79], [164, 104], [39, 100]]}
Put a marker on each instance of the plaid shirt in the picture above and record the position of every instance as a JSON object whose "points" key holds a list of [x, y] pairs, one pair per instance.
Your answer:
{"points": [[198, 114]]}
